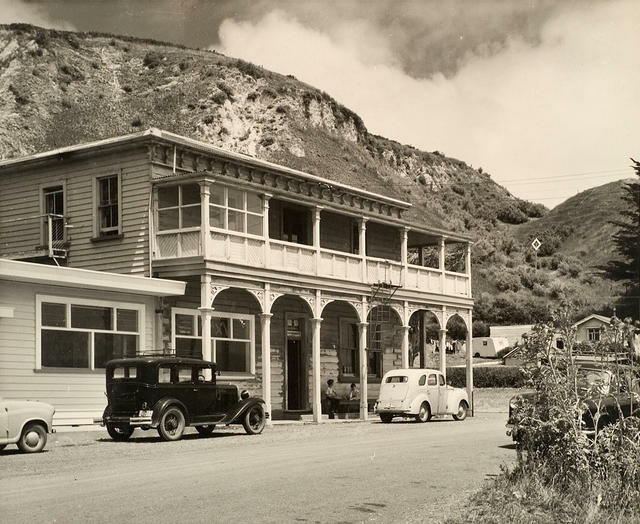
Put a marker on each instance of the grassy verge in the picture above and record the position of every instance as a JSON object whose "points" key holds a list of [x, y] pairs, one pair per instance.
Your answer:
{"points": [[518, 498]]}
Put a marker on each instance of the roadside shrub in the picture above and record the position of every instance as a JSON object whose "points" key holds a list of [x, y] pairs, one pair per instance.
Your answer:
{"points": [[487, 377], [510, 213], [225, 89], [152, 59]]}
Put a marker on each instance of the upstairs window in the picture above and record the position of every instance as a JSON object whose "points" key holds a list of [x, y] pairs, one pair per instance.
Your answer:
{"points": [[593, 334], [108, 211], [235, 210], [178, 207], [53, 207]]}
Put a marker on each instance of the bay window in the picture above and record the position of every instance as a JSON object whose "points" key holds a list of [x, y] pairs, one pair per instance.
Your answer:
{"points": [[235, 210], [178, 207]]}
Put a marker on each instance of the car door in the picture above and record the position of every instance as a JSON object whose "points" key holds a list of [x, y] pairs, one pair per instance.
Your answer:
{"points": [[205, 404], [184, 387], [433, 390], [4, 422], [443, 395]]}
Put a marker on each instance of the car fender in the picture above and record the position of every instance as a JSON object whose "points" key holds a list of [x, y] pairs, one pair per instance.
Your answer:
{"points": [[454, 397], [241, 408], [12, 439], [162, 404], [417, 402]]}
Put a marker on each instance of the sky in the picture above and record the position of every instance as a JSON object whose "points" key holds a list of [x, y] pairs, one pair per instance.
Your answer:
{"points": [[543, 95]]}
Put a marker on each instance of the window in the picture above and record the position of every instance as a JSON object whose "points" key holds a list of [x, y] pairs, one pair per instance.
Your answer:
{"points": [[441, 380], [423, 380], [185, 374], [396, 379], [348, 355], [164, 375], [53, 209], [374, 351], [86, 334], [178, 207], [593, 334], [232, 339], [432, 380], [235, 210], [232, 347], [295, 226], [108, 211], [559, 343]]}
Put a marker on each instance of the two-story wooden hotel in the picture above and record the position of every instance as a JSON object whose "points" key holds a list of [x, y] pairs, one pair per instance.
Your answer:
{"points": [[286, 279]]}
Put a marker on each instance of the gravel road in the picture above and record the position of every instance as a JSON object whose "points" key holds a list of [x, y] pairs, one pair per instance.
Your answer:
{"points": [[349, 472]]}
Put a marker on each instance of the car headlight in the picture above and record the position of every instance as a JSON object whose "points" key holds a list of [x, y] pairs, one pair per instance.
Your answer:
{"points": [[244, 395]]}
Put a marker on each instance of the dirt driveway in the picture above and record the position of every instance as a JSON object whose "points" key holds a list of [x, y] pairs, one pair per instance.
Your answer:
{"points": [[356, 472]]}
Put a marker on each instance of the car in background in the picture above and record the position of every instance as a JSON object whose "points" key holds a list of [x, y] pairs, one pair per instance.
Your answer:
{"points": [[607, 396], [171, 393], [25, 423], [421, 394]]}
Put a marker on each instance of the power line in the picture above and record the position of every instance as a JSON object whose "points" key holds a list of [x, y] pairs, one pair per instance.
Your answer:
{"points": [[565, 177]]}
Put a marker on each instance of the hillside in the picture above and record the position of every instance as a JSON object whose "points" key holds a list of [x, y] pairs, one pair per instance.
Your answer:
{"points": [[59, 88]]}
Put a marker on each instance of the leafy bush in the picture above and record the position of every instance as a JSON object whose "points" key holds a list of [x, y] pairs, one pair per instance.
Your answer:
{"points": [[249, 69], [507, 281], [480, 329], [530, 277], [152, 59], [487, 377], [510, 213]]}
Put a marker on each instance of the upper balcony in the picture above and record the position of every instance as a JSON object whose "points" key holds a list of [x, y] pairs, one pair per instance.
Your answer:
{"points": [[253, 228]]}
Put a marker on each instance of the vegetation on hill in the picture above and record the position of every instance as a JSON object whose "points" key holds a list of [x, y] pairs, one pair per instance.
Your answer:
{"points": [[60, 88]]}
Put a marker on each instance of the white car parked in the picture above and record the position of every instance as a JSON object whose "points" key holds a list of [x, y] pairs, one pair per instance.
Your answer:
{"points": [[25, 423], [419, 393]]}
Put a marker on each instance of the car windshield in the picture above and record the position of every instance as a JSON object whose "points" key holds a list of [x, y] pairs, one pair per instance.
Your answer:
{"points": [[124, 372], [396, 379]]}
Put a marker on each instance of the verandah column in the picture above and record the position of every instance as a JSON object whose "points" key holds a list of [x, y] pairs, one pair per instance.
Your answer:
{"points": [[362, 358], [362, 244], [205, 230], [443, 342], [265, 230], [265, 324], [315, 364], [404, 255], [441, 264], [316, 237], [470, 359], [405, 336], [468, 268], [206, 300]]}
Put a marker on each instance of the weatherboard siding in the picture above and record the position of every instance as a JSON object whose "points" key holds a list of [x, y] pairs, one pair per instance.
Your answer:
{"points": [[77, 396], [20, 229]]}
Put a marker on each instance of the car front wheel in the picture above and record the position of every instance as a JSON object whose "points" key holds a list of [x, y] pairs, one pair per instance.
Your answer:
{"points": [[119, 432], [33, 438], [254, 420], [172, 424], [207, 429], [386, 418], [424, 414], [462, 411]]}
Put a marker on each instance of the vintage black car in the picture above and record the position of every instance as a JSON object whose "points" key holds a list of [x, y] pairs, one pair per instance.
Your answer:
{"points": [[170, 393], [607, 396]]}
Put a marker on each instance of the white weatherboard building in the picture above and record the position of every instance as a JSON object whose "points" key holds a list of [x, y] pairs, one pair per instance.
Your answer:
{"points": [[286, 279]]}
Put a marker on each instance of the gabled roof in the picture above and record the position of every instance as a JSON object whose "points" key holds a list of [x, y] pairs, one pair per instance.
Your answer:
{"points": [[604, 320]]}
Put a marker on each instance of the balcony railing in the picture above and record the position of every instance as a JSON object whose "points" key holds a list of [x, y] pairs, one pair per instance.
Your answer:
{"points": [[254, 251]]}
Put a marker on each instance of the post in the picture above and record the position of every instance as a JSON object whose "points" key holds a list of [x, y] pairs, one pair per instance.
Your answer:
{"points": [[50, 235], [422, 345], [405, 336], [205, 229], [316, 236], [469, 360], [265, 229], [468, 268], [362, 357], [265, 323], [404, 255], [363, 247], [315, 364], [206, 308], [443, 351], [441, 264]]}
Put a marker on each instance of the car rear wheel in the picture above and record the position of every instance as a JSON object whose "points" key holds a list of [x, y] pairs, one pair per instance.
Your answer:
{"points": [[254, 420], [2, 446], [386, 418], [172, 424], [33, 438], [207, 429], [424, 414], [119, 432], [462, 411]]}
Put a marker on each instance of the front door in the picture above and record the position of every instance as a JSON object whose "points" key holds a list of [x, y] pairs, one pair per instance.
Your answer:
{"points": [[296, 365]]}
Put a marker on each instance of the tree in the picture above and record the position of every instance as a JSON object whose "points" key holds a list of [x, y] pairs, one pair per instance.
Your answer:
{"points": [[627, 241]]}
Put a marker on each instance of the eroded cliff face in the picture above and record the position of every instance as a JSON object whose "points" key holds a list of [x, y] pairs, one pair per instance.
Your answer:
{"points": [[60, 88]]}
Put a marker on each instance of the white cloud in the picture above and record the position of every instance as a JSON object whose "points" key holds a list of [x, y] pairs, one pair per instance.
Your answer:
{"points": [[566, 105], [17, 11]]}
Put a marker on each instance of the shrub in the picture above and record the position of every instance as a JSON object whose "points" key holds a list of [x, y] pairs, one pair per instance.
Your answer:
{"points": [[127, 88], [480, 329], [18, 96], [207, 119], [507, 281], [152, 60], [219, 97], [267, 141], [249, 69], [137, 122], [530, 277], [225, 89], [283, 109], [510, 213], [487, 377]]}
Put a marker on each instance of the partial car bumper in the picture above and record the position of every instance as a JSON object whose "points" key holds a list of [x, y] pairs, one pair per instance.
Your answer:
{"points": [[131, 421]]}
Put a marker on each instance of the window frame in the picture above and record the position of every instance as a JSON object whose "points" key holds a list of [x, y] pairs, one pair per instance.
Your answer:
{"points": [[250, 373], [76, 301], [98, 231], [43, 227], [348, 377], [180, 206], [224, 206], [594, 334]]}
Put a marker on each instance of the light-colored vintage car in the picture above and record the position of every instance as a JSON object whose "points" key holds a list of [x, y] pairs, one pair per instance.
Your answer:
{"points": [[25, 423], [419, 393]]}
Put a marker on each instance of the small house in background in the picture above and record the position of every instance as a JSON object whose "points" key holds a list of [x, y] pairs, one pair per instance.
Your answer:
{"points": [[513, 334]]}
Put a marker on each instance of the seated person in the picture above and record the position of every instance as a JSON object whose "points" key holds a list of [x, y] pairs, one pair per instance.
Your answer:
{"points": [[354, 393], [333, 400]]}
